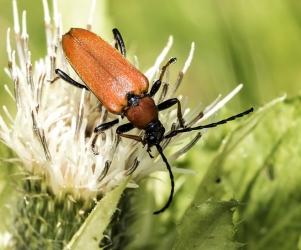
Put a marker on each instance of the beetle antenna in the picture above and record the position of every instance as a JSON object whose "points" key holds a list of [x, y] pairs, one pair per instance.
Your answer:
{"points": [[210, 125], [171, 180]]}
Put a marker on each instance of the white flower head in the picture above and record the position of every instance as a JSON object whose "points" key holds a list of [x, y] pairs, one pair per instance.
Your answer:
{"points": [[52, 131]]}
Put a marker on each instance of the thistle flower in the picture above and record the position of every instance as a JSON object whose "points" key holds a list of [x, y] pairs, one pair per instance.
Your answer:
{"points": [[52, 132]]}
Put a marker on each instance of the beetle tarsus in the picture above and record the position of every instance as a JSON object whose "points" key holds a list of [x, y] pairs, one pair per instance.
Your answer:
{"points": [[54, 80], [104, 171], [93, 145], [119, 41], [149, 153], [133, 167]]}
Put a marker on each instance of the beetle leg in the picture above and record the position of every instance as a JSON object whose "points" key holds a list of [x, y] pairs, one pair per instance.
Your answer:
{"points": [[122, 129], [93, 144], [100, 128], [133, 167], [104, 171], [133, 137], [157, 83], [149, 152], [119, 41], [127, 127], [170, 102], [138, 139], [109, 161], [61, 74], [155, 88]]}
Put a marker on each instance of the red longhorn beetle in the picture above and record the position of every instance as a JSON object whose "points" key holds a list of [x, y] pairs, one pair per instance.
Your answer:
{"points": [[123, 90]]}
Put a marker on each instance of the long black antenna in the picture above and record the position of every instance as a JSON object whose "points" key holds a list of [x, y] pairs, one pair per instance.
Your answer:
{"points": [[171, 180], [210, 125]]}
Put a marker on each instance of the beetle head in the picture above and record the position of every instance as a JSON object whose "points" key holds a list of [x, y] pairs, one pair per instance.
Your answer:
{"points": [[154, 133]]}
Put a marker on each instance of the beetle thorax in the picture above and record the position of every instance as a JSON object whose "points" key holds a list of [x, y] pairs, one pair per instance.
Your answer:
{"points": [[142, 111]]}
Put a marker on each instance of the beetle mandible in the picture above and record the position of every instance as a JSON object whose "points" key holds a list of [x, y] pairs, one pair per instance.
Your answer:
{"points": [[123, 90]]}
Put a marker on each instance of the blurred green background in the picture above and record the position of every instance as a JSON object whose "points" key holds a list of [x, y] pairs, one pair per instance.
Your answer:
{"points": [[254, 42]]}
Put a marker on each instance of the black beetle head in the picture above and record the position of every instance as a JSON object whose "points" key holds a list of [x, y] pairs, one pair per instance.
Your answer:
{"points": [[154, 133]]}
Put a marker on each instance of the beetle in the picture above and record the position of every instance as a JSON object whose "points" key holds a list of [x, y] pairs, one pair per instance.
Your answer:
{"points": [[123, 90]]}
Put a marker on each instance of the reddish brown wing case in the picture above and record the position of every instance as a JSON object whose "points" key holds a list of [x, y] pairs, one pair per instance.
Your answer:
{"points": [[103, 69]]}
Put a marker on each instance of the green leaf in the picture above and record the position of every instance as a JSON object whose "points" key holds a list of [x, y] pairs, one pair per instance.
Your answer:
{"points": [[90, 233], [208, 226], [213, 185], [260, 164], [269, 180]]}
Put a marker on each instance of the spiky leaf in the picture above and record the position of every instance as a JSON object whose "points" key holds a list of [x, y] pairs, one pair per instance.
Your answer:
{"points": [[208, 226], [90, 233]]}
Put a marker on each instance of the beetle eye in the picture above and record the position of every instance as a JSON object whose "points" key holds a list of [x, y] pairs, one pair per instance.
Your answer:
{"points": [[151, 138]]}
